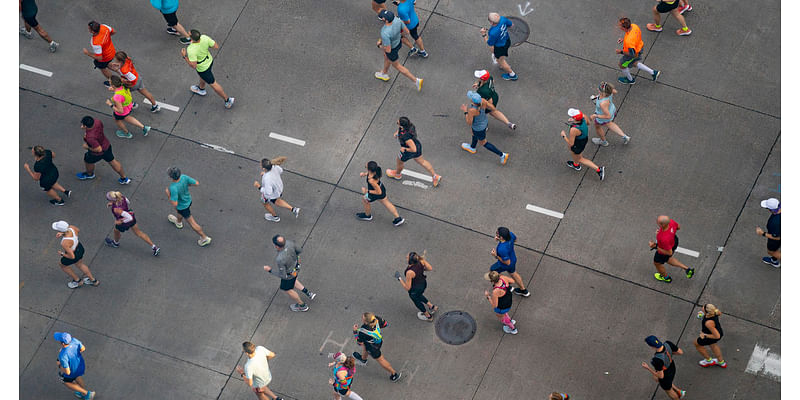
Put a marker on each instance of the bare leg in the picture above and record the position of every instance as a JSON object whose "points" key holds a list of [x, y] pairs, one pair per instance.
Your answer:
{"points": [[267, 392], [138, 232], [106, 72], [403, 70], [656, 16], [498, 115], [717, 352], [701, 349], [79, 381], [40, 31], [518, 280], [660, 268], [195, 226], [115, 165], [406, 41], [676, 13], [367, 206], [299, 286], [400, 165], [776, 253], [89, 168], [283, 203], [149, 96], [294, 296], [53, 195], [385, 364], [425, 164], [615, 128], [218, 89], [577, 158], [378, 7], [133, 121], [181, 30], [67, 270], [75, 387], [504, 65], [117, 235], [419, 44], [389, 206], [85, 269], [675, 263], [386, 64], [121, 125], [269, 208], [599, 130]]}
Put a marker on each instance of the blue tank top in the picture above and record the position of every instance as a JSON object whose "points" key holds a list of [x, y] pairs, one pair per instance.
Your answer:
{"points": [[480, 121], [612, 109], [348, 380], [584, 128]]}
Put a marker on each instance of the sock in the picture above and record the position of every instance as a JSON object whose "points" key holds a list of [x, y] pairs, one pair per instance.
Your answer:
{"points": [[644, 68], [512, 73], [493, 149], [305, 290], [597, 170], [507, 322], [353, 395], [627, 72], [474, 142]]}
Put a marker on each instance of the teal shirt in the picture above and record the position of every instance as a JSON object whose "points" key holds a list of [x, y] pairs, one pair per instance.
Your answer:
{"points": [[390, 34], [179, 191]]}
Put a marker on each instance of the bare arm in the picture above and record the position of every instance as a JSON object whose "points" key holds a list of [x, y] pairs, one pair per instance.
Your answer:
{"points": [[409, 146], [407, 282]]}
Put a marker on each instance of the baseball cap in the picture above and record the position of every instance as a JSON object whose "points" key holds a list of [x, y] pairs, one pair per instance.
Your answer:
{"points": [[475, 97], [60, 226], [653, 341], [482, 74], [339, 357], [62, 337], [575, 114], [771, 203], [386, 15]]}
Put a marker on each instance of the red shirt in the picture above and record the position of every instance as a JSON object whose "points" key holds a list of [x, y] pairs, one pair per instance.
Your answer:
{"points": [[94, 137], [666, 238], [102, 45]]}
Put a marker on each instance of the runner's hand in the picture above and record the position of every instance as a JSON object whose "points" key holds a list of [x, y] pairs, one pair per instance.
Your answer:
{"points": [[759, 231], [256, 185], [267, 268], [483, 31], [86, 52], [239, 369]]}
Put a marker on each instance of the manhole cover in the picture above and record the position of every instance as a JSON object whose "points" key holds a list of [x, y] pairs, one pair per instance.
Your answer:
{"points": [[456, 327], [519, 31]]}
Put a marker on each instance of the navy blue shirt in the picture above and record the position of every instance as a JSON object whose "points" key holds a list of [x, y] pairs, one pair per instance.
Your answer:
{"points": [[774, 225], [505, 250]]}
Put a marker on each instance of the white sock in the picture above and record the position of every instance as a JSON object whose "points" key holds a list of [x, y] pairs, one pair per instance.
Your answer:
{"points": [[353, 395], [644, 68], [627, 72]]}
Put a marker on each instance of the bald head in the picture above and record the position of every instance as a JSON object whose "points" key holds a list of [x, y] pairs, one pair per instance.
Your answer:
{"points": [[663, 220], [494, 18]]}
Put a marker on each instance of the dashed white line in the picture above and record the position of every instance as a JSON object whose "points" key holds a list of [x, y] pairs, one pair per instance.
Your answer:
{"points": [[531, 207], [417, 175], [764, 363], [415, 184], [690, 253], [217, 148], [164, 105], [287, 139], [36, 70]]}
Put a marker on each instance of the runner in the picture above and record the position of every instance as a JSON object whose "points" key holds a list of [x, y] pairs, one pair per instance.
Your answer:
{"points": [[131, 79], [256, 372], [476, 118], [673, 7], [407, 13], [391, 33], [181, 199], [415, 283], [46, 173], [169, 9], [287, 263], [102, 48], [370, 337], [410, 148], [576, 141], [199, 58], [500, 298], [344, 368], [773, 232], [124, 219], [71, 365], [558, 396], [378, 6], [507, 259], [498, 40], [663, 367], [710, 334], [72, 254], [122, 103], [376, 192], [271, 188], [632, 52], [604, 113], [484, 86], [665, 245], [98, 148], [29, 10]]}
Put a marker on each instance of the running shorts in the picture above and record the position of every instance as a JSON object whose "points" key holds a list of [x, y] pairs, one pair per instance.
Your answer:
{"points": [[773, 245], [207, 76], [502, 51], [288, 284], [91, 158], [626, 61], [413, 32], [664, 7], [392, 55], [407, 155], [479, 135], [707, 341], [659, 258], [124, 227], [185, 213], [669, 376], [171, 18], [579, 145], [78, 256], [101, 64]]}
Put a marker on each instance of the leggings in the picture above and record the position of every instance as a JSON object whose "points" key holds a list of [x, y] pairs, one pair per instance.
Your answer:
{"points": [[417, 297]]}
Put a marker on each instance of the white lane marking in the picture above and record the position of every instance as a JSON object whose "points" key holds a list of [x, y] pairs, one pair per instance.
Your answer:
{"points": [[764, 363], [417, 175], [36, 70], [720, 248], [217, 148], [287, 139], [415, 184], [164, 105], [531, 207], [690, 253], [525, 11]]}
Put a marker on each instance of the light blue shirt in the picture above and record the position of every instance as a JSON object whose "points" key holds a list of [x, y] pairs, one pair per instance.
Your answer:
{"points": [[406, 12], [179, 191], [390, 34], [70, 357]]}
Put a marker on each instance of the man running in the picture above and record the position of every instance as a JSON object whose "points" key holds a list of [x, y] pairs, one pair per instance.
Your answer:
{"points": [[71, 365], [665, 245], [507, 259], [98, 148], [256, 372], [130, 78], [169, 9], [29, 10], [103, 50], [199, 58], [773, 232], [271, 188], [672, 7], [287, 263], [484, 86], [391, 33], [181, 199], [576, 140], [632, 52], [477, 119], [407, 13], [663, 366], [498, 40]]}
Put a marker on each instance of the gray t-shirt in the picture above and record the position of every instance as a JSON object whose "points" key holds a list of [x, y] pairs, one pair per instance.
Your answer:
{"points": [[286, 260], [391, 33]]}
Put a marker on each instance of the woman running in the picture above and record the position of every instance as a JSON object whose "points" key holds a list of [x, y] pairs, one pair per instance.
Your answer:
{"points": [[72, 254], [484, 86], [711, 333], [122, 103], [344, 368], [604, 113], [370, 338], [376, 192], [271, 188], [500, 299], [416, 283], [576, 140], [124, 220], [131, 79], [410, 148], [46, 173]]}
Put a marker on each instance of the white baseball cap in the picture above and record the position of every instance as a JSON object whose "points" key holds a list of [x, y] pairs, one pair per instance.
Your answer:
{"points": [[771, 203], [60, 226]]}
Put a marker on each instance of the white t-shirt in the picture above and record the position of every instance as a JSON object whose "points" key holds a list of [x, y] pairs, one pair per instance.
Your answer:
{"points": [[257, 368], [271, 183]]}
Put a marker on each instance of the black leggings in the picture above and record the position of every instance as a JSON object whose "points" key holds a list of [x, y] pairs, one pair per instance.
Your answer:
{"points": [[417, 297]]}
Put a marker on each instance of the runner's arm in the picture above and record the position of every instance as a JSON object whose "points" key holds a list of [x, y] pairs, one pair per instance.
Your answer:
{"points": [[34, 175], [713, 328], [407, 282], [410, 146]]}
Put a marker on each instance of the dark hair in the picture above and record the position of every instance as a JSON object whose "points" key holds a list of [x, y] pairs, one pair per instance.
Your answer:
{"points": [[349, 363], [87, 121], [407, 127], [121, 56], [278, 240], [266, 164], [174, 173], [38, 151], [248, 347], [373, 167], [413, 258], [116, 81], [504, 233], [625, 22], [94, 26], [194, 34]]}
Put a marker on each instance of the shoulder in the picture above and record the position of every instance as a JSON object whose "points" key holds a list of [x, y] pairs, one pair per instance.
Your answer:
{"points": [[671, 345]]}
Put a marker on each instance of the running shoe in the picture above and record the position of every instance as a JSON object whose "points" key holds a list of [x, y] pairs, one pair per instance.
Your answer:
{"points": [[600, 142], [382, 76], [122, 134], [656, 74], [395, 377], [24, 32], [723, 364], [413, 51], [510, 331], [423, 54], [68, 193], [204, 241], [272, 218], [124, 181], [576, 167], [523, 293], [654, 28], [626, 139], [687, 7], [173, 31], [89, 395], [111, 243], [74, 284], [432, 310], [185, 40], [155, 108], [436, 180], [84, 176], [53, 46], [229, 102], [78, 395], [107, 83], [512, 126], [357, 356], [311, 295], [770, 261], [707, 363], [602, 173], [689, 273], [419, 84], [364, 217], [391, 174], [666, 279], [625, 81], [87, 281], [684, 32], [57, 202], [510, 77], [683, 394], [174, 220], [135, 105], [156, 250], [421, 316], [468, 148], [504, 158], [296, 211], [398, 221], [196, 90], [494, 59], [298, 307]]}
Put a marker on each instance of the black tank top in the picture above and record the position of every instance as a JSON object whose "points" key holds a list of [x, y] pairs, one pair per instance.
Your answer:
{"points": [[505, 300], [380, 184], [419, 274], [716, 322]]}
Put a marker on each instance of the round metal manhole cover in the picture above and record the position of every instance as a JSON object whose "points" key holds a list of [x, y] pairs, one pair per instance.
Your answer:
{"points": [[519, 31], [456, 327]]}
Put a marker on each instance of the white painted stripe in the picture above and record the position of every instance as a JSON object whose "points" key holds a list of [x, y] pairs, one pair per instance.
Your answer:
{"points": [[287, 139], [36, 70], [415, 184], [217, 148], [417, 175], [531, 207], [688, 252], [764, 363], [164, 106], [720, 248]]}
